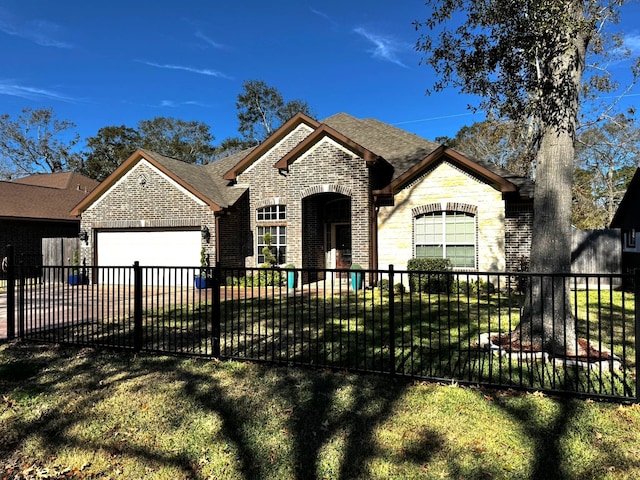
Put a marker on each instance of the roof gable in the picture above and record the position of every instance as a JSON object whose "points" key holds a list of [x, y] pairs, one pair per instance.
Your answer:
{"points": [[193, 178], [398, 147], [320, 133], [445, 153], [626, 214], [260, 150]]}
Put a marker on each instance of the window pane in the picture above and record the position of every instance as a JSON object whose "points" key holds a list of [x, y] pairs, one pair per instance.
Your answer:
{"points": [[272, 212], [460, 228], [278, 242], [428, 251], [461, 255]]}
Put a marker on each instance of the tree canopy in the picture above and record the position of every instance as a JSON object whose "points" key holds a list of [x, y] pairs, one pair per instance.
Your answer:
{"points": [[36, 142], [189, 141], [607, 155], [108, 149], [501, 142], [262, 109]]}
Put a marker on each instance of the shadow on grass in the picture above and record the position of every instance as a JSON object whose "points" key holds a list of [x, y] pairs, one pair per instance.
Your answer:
{"points": [[84, 383], [322, 408], [331, 423]]}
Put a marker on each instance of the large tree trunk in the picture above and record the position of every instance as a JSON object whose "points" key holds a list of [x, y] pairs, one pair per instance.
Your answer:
{"points": [[547, 321]]}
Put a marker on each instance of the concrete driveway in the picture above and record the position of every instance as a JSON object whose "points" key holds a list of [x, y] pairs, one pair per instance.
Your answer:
{"points": [[68, 305]]}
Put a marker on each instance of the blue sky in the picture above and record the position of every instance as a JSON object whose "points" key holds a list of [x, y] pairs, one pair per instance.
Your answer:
{"points": [[113, 63]]}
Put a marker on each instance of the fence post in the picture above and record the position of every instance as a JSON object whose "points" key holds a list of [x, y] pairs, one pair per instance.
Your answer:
{"points": [[636, 296], [216, 310], [392, 323], [21, 303], [137, 306], [11, 293]]}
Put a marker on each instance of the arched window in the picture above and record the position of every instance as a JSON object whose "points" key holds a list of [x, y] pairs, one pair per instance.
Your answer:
{"points": [[446, 234]]}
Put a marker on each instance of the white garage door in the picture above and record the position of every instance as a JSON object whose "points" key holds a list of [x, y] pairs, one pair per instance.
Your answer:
{"points": [[169, 248]]}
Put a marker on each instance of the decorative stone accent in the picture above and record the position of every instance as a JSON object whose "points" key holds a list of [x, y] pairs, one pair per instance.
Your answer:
{"points": [[486, 342]]}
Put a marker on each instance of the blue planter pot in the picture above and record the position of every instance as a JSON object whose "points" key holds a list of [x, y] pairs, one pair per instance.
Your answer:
{"points": [[356, 280], [78, 279], [202, 283], [292, 279]]}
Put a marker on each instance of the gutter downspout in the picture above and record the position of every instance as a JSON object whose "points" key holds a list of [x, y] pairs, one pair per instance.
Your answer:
{"points": [[216, 220], [373, 255]]}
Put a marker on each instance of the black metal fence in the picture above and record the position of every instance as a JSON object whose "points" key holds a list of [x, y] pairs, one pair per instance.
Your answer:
{"points": [[444, 326]]}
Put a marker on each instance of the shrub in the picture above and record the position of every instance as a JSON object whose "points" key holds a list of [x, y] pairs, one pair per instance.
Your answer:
{"points": [[430, 275], [475, 287], [266, 277], [399, 288]]}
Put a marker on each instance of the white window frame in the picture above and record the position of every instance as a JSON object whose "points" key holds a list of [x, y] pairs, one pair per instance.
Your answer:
{"points": [[443, 242], [271, 213], [272, 219]]}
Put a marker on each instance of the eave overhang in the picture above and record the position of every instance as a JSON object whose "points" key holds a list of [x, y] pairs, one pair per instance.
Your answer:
{"points": [[385, 195]]}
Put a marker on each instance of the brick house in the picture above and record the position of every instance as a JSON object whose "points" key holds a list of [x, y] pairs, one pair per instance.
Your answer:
{"points": [[37, 207], [329, 193]]}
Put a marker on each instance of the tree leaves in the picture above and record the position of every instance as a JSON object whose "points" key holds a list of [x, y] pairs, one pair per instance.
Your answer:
{"points": [[35, 142]]}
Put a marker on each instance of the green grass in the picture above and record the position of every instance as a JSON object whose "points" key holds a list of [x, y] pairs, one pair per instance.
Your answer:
{"points": [[81, 413]]}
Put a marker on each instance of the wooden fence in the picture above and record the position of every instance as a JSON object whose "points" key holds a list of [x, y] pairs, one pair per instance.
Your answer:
{"points": [[596, 251], [58, 252]]}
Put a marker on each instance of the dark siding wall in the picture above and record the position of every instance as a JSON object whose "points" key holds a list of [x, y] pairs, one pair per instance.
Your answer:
{"points": [[26, 236]]}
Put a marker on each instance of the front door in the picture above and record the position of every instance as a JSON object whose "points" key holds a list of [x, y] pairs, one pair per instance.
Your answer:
{"points": [[343, 246], [338, 246]]}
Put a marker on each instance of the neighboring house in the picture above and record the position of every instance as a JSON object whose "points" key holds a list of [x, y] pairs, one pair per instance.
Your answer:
{"points": [[628, 221], [37, 207], [329, 193]]}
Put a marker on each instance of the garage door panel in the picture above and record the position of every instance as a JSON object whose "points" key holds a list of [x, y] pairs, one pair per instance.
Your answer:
{"points": [[167, 248]]}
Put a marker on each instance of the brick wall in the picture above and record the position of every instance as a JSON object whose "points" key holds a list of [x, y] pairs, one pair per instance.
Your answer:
{"points": [[326, 168], [146, 198], [518, 225], [235, 235]]}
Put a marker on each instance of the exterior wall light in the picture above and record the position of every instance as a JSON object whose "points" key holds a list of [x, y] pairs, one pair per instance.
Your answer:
{"points": [[205, 233], [84, 236]]}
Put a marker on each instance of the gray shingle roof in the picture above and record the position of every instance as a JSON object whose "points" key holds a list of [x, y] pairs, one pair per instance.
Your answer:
{"points": [[398, 147], [206, 179], [403, 149]]}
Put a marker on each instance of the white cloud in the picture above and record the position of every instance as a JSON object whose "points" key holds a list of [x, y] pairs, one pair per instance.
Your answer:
{"points": [[7, 87], [40, 32], [208, 40], [385, 48], [632, 42], [174, 104], [199, 71]]}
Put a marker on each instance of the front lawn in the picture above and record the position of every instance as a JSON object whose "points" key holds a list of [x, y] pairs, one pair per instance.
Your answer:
{"points": [[82, 413]]}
